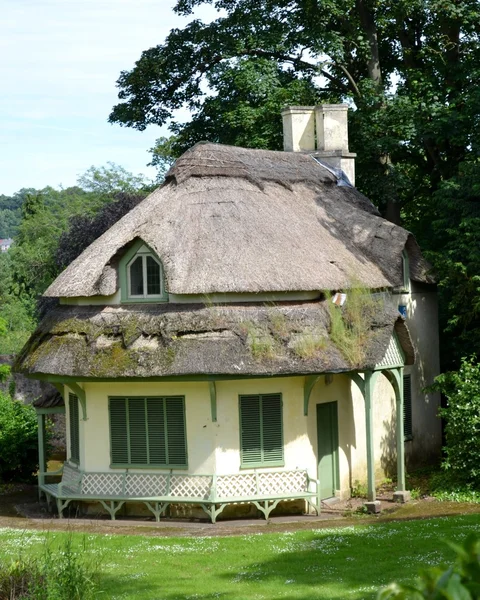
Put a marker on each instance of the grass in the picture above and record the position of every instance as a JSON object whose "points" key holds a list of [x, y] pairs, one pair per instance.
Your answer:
{"points": [[350, 325], [309, 343], [337, 563]]}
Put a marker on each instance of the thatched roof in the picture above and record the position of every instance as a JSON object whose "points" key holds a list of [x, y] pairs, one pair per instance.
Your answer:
{"points": [[232, 219], [173, 340], [51, 398]]}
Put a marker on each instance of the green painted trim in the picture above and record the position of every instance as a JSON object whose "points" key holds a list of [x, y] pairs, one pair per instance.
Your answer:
{"points": [[261, 465], [309, 384], [150, 467], [355, 377], [381, 367], [49, 411], [42, 463], [195, 378], [396, 378], [213, 400], [80, 393], [370, 380], [123, 278], [406, 272], [60, 389]]}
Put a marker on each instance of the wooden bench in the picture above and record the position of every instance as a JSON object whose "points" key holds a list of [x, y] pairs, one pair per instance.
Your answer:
{"points": [[264, 489]]}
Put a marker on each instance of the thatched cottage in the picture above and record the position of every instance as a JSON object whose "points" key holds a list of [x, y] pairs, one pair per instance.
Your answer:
{"points": [[253, 319]]}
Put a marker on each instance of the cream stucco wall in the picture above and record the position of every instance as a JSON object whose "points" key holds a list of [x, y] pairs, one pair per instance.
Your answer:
{"points": [[422, 322], [215, 446]]}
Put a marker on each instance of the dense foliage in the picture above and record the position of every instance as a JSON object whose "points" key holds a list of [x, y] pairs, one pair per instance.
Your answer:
{"points": [[54, 226], [462, 418], [409, 70], [18, 440], [64, 573], [460, 581]]}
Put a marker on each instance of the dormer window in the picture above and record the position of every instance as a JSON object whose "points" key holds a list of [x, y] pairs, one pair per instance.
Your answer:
{"points": [[141, 276], [406, 272]]}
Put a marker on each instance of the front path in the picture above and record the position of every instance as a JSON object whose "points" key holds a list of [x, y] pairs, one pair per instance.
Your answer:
{"points": [[19, 508]]}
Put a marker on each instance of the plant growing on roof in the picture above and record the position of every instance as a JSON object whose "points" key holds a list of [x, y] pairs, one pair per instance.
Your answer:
{"points": [[350, 324]]}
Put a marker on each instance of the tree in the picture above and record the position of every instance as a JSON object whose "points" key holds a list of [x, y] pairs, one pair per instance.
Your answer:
{"points": [[244, 111], [462, 418], [426, 50], [112, 179], [18, 440], [408, 68], [85, 229]]}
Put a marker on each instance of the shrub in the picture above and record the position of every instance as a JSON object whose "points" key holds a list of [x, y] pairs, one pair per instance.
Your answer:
{"points": [[462, 417], [63, 574], [461, 581], [18, 440]]}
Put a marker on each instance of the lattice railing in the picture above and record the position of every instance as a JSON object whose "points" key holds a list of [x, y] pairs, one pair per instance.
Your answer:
{"points": [[284, 482], [236, 486], [146, 485], [206, 488], [102, 484], [191, 486]]}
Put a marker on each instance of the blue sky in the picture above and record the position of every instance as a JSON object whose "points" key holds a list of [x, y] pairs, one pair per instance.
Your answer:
{"points": [[59, 61]]}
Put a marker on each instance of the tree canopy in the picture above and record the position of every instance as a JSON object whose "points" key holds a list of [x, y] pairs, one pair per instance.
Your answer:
{"points": [[408, 68]]}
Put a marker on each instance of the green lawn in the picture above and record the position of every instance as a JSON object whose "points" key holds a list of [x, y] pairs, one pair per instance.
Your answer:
{"points": [[336, 563]]}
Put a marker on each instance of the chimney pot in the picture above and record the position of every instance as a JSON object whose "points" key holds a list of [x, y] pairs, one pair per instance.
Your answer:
{"points": [[332, 127], [298, 128]]}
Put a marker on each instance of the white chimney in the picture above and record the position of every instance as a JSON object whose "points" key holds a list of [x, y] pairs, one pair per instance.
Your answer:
{"points": [[298, 128], [327, 125]]}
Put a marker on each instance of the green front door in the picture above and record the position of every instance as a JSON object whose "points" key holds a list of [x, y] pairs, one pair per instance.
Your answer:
{"points": [[327, 435]]}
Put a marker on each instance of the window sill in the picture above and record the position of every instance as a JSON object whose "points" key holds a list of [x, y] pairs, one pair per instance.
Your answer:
{"points": [[262, 465], [150, 467]]}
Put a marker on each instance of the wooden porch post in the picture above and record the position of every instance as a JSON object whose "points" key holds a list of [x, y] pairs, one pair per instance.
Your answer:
{"points": [[370, 379], [398, 374], [42, 465]]}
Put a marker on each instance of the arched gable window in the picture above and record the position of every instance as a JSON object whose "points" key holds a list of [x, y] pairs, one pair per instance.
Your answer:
{"points": [[141, 275]]}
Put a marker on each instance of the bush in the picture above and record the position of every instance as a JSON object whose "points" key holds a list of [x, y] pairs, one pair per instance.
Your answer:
{"points": [[62, 574], [462, 417], [18, 440], [461, 581]]}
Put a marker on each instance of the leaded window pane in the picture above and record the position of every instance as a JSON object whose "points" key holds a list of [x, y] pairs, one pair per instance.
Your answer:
{"points": [[153, 277], [136, 277]]}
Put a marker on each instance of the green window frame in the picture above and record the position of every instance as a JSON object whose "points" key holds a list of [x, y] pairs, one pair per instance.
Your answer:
{"points": [[405, 272], [261, 430], [74, 421], [407, 407], [150, 273], [148, 431]]}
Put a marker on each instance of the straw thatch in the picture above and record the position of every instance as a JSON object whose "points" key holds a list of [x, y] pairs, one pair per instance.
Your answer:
{"points": [[231, 219], [172, 340], [51, 398]]}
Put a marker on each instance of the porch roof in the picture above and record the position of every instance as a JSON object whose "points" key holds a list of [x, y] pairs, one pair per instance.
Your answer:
{"points": [[178, 340]]}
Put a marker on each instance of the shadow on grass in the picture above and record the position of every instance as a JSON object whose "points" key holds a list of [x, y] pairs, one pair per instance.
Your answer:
{"points": [[334, 564]]}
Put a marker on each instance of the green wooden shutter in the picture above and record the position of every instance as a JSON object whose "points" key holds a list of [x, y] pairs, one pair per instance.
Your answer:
{"points": [[250, 430], [261, 430], [119, 431], [272, 429], [175, 431], [74, 428], [137, 431], [148, 431], [156, 431], [407, 407]]}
